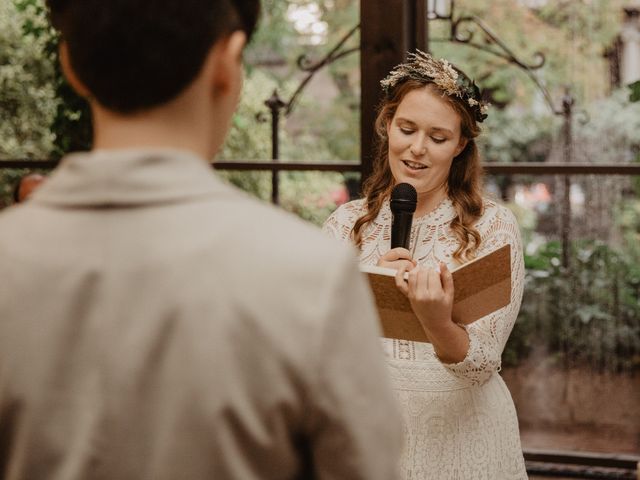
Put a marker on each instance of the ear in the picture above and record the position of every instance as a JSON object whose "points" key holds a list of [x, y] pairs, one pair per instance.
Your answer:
{"points": [[226, 63], [388, 126], [70, 75], [461, 146]]}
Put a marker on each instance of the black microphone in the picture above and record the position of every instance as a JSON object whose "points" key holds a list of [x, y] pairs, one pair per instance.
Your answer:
{"points": [[404, 199]]}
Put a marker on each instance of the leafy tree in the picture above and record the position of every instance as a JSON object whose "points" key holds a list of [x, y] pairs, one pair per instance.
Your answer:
{"points": [[28, 101], [591, 317], [572, 34]]}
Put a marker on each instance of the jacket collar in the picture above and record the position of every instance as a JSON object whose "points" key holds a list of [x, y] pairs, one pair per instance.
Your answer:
{"points": [[136, 177]]}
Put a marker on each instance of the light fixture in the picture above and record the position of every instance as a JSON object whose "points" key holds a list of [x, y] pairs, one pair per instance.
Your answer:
{"points": [[439, 9]]}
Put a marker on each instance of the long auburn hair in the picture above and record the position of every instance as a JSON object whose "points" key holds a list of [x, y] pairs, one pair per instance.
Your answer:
{"points": [[464, 184]]}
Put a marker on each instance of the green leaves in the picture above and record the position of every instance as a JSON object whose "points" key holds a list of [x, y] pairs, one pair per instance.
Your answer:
{"points": [[589, 314], [634, 95], [27, 73]]}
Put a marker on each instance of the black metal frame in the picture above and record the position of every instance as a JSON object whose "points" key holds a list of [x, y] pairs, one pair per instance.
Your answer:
{"points": [[275, 104], [491, 168], [584, 465]]}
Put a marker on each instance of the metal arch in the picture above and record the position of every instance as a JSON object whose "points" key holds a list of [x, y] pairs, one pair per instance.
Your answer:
{"points": [[275, 103], [465, 36], [305, 64], [490, 37], [326, 61], [460, 33]]}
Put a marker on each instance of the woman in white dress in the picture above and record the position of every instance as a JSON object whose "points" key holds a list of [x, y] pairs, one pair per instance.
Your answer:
{"points": [[460, 421]]}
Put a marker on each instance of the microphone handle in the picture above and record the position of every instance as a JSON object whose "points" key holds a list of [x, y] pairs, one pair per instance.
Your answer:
{"points": [[401, 230]]}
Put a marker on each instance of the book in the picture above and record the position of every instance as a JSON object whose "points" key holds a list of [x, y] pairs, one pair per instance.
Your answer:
{"points": [[481, 287]]}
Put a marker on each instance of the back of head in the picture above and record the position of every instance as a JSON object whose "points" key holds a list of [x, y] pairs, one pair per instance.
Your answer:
{"points": [[133, 55]]}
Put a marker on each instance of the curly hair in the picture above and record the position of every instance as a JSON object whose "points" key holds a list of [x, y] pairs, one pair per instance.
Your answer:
{"points": [[464, 184]]}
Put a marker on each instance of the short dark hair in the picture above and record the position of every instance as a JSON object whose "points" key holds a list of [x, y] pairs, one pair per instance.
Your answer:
{"points": [[133, 55]]}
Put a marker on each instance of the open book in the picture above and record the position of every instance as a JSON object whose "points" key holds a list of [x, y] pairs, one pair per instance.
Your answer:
{"points": [[481, 287]]}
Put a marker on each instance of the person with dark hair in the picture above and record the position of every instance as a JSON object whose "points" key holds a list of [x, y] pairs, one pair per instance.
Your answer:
{"points": [[157, 323], [460, 421], [25, 186]]}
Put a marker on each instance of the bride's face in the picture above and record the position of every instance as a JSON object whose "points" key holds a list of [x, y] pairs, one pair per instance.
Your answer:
{"points": [[424, 137]]}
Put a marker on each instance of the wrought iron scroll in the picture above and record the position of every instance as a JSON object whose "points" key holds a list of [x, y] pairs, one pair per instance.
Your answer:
{"points": [[277, 104], [463, 30], [306, 65]]}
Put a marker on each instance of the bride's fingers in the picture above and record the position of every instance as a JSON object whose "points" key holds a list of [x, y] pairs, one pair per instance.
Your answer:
{"points": [[401, 283]]}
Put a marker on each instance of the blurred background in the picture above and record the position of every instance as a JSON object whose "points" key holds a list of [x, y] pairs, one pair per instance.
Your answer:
{"points": [[561, 145]]}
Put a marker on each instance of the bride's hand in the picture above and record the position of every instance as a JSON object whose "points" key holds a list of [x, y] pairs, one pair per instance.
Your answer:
{"points": [[400, 260], [431, 295]]}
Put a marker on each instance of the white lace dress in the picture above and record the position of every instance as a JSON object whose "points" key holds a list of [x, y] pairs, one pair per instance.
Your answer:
{"points": [[460, 421]]}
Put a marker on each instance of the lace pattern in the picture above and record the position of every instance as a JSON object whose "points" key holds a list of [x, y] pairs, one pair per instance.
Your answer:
{"points": [[460, 422]]}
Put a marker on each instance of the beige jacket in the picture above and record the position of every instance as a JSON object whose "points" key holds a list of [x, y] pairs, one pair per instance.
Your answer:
{"points": [[158, 324]]}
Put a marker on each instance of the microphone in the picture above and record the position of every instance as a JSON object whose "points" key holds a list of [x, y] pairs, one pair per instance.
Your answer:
{"points": [[404, 199]]}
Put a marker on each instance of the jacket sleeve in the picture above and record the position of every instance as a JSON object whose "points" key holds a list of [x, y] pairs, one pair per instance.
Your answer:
{"points": [[488, 335], [356, 425]]}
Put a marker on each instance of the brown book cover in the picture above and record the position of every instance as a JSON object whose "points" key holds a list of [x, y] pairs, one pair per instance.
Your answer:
{"points": [[481, 287]]}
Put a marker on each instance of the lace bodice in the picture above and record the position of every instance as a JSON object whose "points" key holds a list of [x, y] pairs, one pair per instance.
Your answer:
{"points": [[460, 422], [433, 241]]}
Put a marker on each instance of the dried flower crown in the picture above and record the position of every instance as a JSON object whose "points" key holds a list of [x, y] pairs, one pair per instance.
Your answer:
{"points": [[423, 67]]}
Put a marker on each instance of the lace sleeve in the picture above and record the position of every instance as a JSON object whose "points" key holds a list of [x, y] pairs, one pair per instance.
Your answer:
{"points": [[488, 335], [340, 223]]}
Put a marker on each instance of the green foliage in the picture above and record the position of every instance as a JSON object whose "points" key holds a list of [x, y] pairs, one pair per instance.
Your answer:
{"points": [[307, 194], [615, 119], [40, 116], [315, 130], [276, 48], [311, 195], [72, 124], [634, 94], [249, 138], [274, 34], [513, 135], [527, 219], [587, 314], [628, 223], [27, 100], [571, 34]]}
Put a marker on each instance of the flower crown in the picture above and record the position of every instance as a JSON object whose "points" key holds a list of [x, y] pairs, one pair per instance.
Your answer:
{"points": [[423, 67]]}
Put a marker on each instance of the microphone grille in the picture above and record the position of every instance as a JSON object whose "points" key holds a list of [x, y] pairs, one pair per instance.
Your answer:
{"points": [[404, 197]]}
